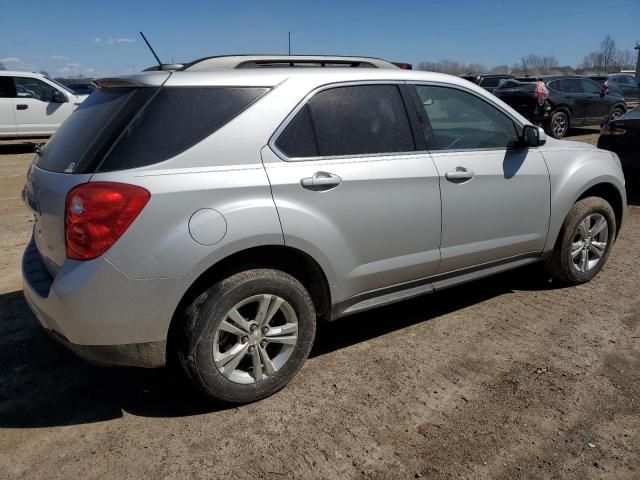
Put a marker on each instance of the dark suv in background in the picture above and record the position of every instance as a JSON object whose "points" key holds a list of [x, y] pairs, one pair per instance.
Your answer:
{"points": [[487, 81], [559, 102], [622, 83]]}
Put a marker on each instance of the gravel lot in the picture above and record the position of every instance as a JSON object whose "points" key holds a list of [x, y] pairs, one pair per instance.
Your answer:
{"points": [[505, 378]]}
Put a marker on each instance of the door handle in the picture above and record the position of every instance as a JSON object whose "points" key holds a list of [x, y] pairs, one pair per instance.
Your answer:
{"points": [[22, 106], [321, 181], [459, 174]]}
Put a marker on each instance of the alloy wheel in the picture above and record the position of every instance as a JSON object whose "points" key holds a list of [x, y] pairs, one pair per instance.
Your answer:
{"points": [[590, 242], [255, 339], [559, 126]]}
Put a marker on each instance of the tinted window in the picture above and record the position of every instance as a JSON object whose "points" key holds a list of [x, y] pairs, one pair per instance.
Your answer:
{"points": [[460, 121], [624, 80], [490, 82], [82, 140], [33, 88], [7, 89], [367, 119], [176, 119], [590, 86], [555, 85], [299, 139], [126, 128], [571, 85]]}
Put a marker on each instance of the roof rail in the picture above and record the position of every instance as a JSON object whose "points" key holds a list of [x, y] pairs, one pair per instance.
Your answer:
{"points": [[230, 62]]}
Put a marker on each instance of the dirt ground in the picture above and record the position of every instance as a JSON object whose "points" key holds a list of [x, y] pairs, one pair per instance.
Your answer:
{"points": [[504, 378]]}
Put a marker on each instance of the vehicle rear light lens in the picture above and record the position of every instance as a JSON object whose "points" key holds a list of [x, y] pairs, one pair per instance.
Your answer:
{"points": [[605, 85], [612, 130], [541, 92], [97, 214]]}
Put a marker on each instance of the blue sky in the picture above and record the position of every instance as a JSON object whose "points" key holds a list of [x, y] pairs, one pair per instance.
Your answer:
{"points": [[101, 38]]}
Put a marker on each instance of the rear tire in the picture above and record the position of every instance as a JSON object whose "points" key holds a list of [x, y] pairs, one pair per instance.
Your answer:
{"points": [[558, 124], [615, 113], [247, 336], [584, 242]]}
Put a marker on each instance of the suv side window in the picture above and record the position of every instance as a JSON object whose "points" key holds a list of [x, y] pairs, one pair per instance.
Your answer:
{"points": [[572, 85], [351, 120], [33, 88], [555, 85], [462, 121], [7, 89], [590, 86]]}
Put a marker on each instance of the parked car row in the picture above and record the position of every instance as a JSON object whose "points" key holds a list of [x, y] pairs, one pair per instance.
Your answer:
{"points": [[558, 102]]}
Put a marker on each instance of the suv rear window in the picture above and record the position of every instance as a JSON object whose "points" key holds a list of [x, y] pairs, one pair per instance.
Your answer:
{"points": [[116, 129]]}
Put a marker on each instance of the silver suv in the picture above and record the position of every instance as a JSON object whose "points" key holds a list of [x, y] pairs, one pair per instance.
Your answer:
{"points": [[216, 215]]}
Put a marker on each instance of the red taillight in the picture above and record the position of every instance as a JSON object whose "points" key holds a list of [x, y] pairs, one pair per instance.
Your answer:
{"points": [[605, 85], [97, 214], [541, 92]]}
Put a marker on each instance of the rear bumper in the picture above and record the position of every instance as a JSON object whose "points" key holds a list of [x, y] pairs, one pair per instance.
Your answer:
{"points": [[100, 313]]}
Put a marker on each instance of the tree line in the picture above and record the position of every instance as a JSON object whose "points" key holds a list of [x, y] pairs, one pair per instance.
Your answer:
{"points": [[608, 58]]}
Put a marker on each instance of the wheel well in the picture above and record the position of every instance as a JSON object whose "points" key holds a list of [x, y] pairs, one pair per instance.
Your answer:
{"points": [[288, 259], [609, 193], [620, 106]]}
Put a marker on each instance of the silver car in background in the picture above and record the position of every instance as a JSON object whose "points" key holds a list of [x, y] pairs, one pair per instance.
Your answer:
{"points": [[216, 215]]}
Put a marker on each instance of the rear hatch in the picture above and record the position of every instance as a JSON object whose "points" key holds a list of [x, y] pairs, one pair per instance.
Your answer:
{"points": [[122, 125], [520, 96], [70, 158]]}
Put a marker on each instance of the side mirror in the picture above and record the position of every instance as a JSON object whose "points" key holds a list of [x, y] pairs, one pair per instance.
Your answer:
{"points": [[533, 136], [59, 97]]}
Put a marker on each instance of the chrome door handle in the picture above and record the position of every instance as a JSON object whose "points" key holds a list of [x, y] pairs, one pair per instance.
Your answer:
{"points": [[321, 181], [460, 173]]}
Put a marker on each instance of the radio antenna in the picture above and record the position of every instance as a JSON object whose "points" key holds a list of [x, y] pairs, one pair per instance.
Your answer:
{"points": [[152, 50]]}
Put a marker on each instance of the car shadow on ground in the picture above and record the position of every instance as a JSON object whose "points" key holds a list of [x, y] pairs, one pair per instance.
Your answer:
{"points": [[17, 148], [43, 385], [578, 132]]}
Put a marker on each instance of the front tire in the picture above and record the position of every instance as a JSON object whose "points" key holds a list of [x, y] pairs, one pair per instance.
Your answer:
{"points": [[247, 336], [584, 242]]}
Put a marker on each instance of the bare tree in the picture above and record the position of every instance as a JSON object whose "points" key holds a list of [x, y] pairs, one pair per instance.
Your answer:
{"points": [[536, 64], [608, 51], [607, 58], [451, 67]]}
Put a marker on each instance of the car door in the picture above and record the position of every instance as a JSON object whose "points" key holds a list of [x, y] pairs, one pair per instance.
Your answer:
{"points": [[598, 106], [36, 113], [354, 190], [7, 116], [495, 195], [575, 98]]}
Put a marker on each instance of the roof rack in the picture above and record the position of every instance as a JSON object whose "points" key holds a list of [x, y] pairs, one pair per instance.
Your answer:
{"points": [[230, 62]]}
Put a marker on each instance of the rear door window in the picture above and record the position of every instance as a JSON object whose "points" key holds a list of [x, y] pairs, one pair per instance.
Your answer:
{"points": [[120, 128], [351, 120], [572, 85], [591, 87]]}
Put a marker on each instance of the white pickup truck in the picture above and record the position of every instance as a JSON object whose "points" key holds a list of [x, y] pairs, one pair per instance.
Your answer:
{"points": [[32, 105]]}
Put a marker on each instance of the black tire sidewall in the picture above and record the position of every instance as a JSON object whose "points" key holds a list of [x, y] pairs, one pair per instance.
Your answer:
{"points": [[552, 120], [203, 321], [579, 212]]}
